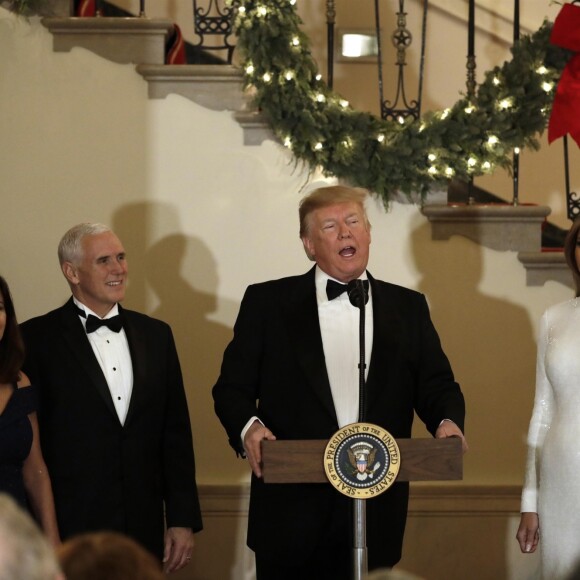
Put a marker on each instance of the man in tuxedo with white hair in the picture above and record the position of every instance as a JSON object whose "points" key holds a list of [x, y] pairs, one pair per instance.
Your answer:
{"points": [[113, 416]]}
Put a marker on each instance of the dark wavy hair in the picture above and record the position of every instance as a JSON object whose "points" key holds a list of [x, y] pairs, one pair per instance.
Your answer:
{"points": [[570, 252], [11, 344]]}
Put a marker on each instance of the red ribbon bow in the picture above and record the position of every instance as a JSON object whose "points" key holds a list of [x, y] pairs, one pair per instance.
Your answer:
{"points": [[565, 117]]}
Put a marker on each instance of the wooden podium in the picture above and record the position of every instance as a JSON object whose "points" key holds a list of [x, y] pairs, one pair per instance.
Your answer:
{"points": [[302, 461]]}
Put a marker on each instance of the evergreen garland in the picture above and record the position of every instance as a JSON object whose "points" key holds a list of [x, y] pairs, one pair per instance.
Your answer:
{"points": [[473, 137]]}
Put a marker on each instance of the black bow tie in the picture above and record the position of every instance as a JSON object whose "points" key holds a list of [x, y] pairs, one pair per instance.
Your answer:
{"points": [[335, 289], [115, 323]]}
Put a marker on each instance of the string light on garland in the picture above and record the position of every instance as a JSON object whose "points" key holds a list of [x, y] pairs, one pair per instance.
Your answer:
{"points": [[391, 156], [505, 104], [547, 86]]}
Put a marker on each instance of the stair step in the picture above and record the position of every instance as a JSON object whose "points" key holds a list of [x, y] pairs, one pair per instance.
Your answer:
{"points": [[122, 40], [218, 87], [544, 266], [499, 227]]}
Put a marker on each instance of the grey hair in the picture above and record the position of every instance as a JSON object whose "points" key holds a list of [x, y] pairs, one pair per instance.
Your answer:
{"points": [[70, 247], [24, 550]]}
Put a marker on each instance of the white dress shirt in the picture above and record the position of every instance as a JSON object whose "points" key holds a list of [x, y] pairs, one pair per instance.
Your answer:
{"points": [[112, 351], [339, 326]]}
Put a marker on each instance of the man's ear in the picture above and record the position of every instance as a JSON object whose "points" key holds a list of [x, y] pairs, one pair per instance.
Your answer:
{"points": [[70, 272], [308, 248]]}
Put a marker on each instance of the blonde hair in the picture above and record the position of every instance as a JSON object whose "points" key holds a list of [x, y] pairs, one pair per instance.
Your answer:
{"points": [[109, 555], [24, 550], [326, 196]]}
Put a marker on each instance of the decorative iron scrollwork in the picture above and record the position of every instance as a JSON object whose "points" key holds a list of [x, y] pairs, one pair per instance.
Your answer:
{"points": [[215, 21], [400, 109]]}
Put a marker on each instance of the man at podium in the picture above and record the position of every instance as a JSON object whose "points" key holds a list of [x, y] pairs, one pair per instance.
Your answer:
{"points": [[291, 372]]}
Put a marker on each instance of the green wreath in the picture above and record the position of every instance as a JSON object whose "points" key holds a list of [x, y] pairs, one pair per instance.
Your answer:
{"points": [[509, 110]]}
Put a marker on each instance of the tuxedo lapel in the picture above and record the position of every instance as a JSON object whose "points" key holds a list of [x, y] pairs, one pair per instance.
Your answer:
{"points": [[301, 310], [76, 339], [386, 325]]}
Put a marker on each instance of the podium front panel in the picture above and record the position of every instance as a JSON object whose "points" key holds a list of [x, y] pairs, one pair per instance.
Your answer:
{"points": [[302, 461]]}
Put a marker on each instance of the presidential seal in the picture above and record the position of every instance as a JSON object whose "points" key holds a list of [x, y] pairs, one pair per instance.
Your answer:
{"points": [[362, 460]]}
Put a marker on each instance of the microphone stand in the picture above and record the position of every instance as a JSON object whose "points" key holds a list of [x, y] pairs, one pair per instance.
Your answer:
{"points": [[357, 297]]}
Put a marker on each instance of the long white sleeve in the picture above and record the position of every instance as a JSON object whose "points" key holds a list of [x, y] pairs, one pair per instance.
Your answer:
{"points": [[540, 421]]}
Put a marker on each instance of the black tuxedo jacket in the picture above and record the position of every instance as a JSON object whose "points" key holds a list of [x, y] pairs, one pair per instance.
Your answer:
{"points": [[275, 368], [107, 476]]}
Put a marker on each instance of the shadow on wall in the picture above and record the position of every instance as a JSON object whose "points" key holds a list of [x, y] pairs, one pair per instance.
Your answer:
{"points": [[182, 273], [178, 275], [491, 346]]}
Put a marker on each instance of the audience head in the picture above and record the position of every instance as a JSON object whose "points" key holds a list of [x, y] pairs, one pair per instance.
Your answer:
{"points": [[335, 230], [572, 252], [11, 345], [92, 259], [24, 550], [107, 556]]}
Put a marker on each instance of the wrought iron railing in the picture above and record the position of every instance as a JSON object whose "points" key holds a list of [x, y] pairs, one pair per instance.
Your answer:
{"points": [[214, 24]]}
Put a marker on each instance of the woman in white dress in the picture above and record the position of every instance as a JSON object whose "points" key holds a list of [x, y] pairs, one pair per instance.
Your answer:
{"points": [[551, 494]]}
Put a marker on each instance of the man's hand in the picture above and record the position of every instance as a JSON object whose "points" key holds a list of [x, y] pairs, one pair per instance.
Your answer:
{"points": [[528, 534], [178, 549], [450, 429], [252, 441]]}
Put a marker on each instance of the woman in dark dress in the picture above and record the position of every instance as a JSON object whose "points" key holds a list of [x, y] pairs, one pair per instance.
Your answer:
{"points": [[23, 473]]}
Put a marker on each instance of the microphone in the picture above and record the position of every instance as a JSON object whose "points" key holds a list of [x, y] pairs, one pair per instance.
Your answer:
{"points": [[358, 293]]}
